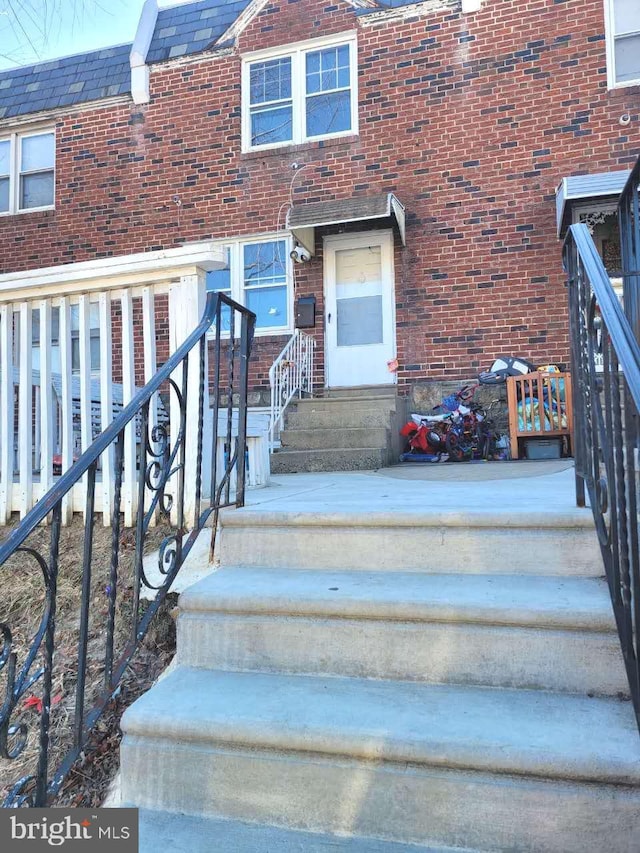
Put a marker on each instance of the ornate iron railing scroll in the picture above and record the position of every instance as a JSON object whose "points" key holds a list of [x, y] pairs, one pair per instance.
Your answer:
{"points": [[167, 454]]}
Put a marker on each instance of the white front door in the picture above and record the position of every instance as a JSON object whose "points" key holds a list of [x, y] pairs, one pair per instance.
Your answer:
{"points": [[359, 309]]}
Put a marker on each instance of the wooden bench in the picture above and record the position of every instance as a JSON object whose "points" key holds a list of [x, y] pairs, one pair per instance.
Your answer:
{"points": [[552, 417]]}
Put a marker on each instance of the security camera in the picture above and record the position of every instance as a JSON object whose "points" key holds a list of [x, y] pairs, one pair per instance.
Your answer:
{"points": [[300, 255]]}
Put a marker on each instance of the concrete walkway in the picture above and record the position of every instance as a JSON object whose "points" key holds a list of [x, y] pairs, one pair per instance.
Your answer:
{"points": [[521, 487]]}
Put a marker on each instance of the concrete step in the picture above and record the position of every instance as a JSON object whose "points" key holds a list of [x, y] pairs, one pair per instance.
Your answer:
{"points": [[329, 459], [492, 630], [323, 438], [362, 391], [179, 833], [379, 402], [464, 542], [424, 764], [341, 418]]}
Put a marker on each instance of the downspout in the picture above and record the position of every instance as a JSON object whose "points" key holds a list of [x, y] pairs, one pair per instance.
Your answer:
{"points": [[139, 50]]}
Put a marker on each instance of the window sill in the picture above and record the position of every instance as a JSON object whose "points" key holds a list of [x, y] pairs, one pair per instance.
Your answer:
{"points": [[309, 145], [7, 213], [630, 88]]}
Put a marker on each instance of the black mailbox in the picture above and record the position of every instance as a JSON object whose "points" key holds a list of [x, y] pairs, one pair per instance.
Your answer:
{"points": [[306, 312]]}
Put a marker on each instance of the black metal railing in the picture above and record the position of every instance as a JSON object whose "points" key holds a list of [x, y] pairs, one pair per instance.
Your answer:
{"points": [[164, 460], [629, 223], [605, 358]]}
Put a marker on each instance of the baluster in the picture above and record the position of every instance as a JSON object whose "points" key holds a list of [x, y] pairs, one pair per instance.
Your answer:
{"points": [[106, 401], [241, 440], [66, 415], [115, 550], [202, 379], [216, 405], [150, 364], [7, 412], [84, 603], [25, 409], [128, 390], [140, 519], [47, 407], [40, 795], [230, 366], [86, 432]]}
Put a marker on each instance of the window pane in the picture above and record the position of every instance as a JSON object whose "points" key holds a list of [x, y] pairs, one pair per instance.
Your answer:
{"points": [[327, 69], [221, 279], [626, 15], [36, 190], [271, 125], [269, 305], [5, 157], [328, 113], [265, 263], [37, 152], [270, 81], [4, 195], [95, 352], [359, 321], [627, 59]]}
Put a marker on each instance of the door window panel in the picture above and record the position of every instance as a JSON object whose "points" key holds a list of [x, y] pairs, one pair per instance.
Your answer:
{"points": [[359, 305]]}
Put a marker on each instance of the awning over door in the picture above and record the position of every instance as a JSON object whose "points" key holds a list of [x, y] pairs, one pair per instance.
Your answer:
{"points": [[303, 219], [583, 187]]}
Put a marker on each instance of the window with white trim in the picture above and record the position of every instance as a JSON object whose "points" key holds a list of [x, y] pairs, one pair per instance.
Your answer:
{"points": [[257, 274], [623, 42], [306, 92], [27, 171]]}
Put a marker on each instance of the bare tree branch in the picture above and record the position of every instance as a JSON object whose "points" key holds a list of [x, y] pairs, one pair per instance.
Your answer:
{"points": [[27, 27]]}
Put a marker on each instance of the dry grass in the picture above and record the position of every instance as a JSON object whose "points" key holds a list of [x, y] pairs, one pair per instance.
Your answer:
{"points": [[22, 600]]}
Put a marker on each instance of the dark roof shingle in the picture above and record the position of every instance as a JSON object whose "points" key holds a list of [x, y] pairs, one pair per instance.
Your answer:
{"points": [[191, 28], [65, 82]]}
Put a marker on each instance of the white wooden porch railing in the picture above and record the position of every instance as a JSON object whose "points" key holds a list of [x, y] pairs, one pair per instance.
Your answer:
{"points": [[75, 344], [290, 374]]}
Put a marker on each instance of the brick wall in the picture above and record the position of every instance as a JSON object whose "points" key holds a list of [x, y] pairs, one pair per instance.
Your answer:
{"points": [[471, 121]]}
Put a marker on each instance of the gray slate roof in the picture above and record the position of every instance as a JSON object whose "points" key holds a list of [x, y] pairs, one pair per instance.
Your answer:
{"points": [[64, 82], [180, 31], [190, 28]]}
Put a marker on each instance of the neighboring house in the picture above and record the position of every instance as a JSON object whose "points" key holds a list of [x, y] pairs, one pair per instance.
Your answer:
{"points": [[426, 155]]}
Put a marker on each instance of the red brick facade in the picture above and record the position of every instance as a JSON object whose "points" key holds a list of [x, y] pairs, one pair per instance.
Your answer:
{"points": [[471, 121]]}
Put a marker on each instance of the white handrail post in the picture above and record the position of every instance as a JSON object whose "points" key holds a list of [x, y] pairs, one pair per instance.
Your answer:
{"points": [[47, 408], [186, 305], [84, 341], [106, 401], [25, 409], [67, 401]]}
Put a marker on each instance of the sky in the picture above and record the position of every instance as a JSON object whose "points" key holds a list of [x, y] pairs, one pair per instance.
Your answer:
{"points": [[37, 30]]}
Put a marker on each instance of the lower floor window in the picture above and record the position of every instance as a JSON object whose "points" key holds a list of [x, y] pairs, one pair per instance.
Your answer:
{"points": [[257, 274]]}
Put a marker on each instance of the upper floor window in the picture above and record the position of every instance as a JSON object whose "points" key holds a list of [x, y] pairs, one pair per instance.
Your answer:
{"points": [[306, 92], [623, 42], [27, 171]]}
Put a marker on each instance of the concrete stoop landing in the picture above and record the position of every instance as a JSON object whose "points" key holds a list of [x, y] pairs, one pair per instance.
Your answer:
{"points": [[378, 682], [344, 430]]}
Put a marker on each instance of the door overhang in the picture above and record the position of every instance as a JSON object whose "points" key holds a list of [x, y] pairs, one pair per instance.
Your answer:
{"points": [[303, 219], [580, 188]]}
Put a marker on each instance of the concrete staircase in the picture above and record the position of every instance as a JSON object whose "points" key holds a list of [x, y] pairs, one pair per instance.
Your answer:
{"points": [[371, 681], [350, 429]]}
